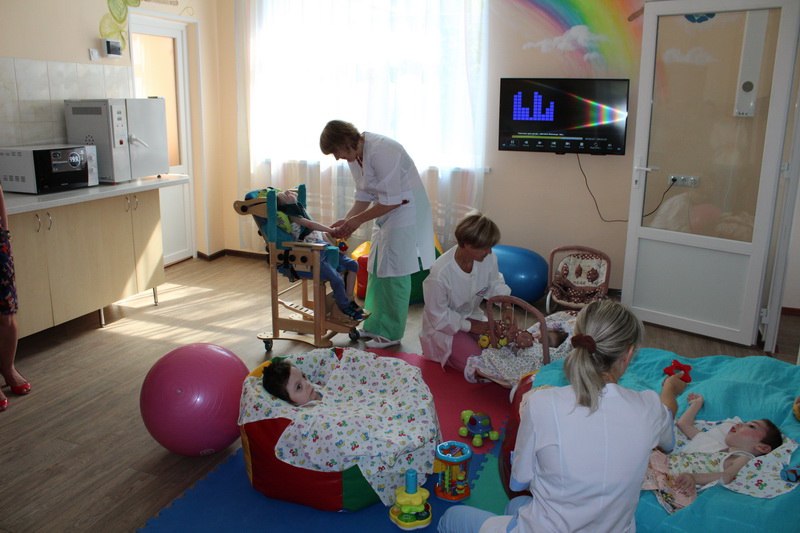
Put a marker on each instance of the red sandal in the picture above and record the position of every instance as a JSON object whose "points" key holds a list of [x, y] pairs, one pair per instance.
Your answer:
{"points": [[21, 390]]}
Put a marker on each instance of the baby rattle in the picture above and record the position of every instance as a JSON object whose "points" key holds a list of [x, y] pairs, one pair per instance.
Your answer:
{"points": [[676, 367]]}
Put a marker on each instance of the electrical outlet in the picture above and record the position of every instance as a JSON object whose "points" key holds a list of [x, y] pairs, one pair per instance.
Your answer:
{"points": [[683, 181]]}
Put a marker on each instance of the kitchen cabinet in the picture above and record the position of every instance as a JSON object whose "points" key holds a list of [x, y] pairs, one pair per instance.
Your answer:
{"points": [[74, 259]]}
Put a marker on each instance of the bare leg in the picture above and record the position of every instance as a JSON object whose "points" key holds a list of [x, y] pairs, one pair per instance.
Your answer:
{"points": [[8, 351]]}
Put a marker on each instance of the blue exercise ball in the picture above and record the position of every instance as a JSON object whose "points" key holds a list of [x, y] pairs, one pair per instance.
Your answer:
{"points": [[524, 270]]}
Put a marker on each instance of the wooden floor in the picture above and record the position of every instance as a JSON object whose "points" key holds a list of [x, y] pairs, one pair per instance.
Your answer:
{"points": [[75, 455]]}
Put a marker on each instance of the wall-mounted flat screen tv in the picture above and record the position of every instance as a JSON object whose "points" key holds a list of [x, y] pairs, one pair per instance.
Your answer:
{"points": [[563, 115]]}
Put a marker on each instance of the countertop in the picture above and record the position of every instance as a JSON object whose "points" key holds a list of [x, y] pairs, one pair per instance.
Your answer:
{"points": [[23, 203]]}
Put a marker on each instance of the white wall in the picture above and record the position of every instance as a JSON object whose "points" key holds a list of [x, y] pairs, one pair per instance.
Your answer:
{"points": [[32, 94]]}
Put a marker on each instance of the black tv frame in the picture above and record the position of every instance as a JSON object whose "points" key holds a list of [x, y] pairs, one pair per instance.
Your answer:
{"points": [[564, 115]]}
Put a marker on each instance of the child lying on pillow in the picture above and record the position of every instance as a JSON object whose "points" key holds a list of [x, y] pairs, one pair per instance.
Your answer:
{"points": [[711, 456], [285, 381]]}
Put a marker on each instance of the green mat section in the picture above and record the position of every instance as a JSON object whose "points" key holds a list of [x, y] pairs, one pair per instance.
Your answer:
{"points": [[488, 492]]}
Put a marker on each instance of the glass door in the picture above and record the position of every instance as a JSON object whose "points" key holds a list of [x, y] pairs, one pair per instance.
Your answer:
{"points": [[713, 101], [158, 51]]}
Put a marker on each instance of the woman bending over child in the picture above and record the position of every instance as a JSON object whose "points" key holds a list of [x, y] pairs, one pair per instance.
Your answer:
{"points": [[582, 450]]}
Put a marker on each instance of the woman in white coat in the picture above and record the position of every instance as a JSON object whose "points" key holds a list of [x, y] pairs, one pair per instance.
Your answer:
{"points": [[459, 281], [390, 192], [582, 450]]}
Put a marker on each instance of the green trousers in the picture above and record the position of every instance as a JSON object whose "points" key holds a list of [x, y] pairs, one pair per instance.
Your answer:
{"points": [[387, 300]]}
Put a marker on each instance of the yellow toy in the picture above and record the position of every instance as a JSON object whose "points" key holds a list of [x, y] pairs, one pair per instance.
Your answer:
{"points": [[411, 509]]}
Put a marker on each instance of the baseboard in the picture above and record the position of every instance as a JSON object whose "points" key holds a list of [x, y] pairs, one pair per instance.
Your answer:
{"points": [[792, 311], [235, 253]]}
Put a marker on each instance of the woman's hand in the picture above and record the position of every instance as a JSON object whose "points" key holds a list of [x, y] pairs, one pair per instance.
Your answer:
{"points": [[345, 227], [670, 390], [478, 327], [674, 384]]}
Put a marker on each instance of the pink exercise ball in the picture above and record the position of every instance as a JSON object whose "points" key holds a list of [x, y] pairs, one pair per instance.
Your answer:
{"points": [[190, 399]]}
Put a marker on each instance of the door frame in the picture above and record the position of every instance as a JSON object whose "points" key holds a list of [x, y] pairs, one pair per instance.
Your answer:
{"points": [[177, 28], [758, 249]]}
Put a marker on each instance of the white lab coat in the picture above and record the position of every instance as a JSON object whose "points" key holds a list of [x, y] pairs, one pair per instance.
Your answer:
{"points": [[452, 297], [584, 471], [404, 236]]}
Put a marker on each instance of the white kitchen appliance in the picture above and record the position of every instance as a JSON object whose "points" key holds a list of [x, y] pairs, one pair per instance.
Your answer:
{"points": [[45, 168], [130, 135]]}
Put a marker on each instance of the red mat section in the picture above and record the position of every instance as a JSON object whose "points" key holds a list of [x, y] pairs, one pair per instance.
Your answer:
{"points": [[453, 394]]}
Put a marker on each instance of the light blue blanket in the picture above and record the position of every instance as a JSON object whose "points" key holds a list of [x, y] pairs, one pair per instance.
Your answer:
{"points": [[747, 387]]}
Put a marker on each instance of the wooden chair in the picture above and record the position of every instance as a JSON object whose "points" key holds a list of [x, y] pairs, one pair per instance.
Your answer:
{"points": [[316, 319]]}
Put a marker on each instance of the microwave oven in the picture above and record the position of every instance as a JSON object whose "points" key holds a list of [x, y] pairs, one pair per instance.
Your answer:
{"points": [[40, 169], [130, 135]]}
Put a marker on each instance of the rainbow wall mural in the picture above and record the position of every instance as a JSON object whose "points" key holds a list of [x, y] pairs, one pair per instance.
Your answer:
{"points": [[603, 35]]}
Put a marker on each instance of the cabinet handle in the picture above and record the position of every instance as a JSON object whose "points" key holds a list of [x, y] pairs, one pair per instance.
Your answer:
{"points": [[38, 223], [128, 207], [49, 221], [135, 202]]}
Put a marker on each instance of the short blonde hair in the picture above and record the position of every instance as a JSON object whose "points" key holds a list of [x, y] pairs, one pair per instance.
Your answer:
{"points": [[338, 134], [478, 231]]}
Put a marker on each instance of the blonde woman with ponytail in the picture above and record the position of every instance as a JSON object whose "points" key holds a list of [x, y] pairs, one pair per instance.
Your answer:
{"points": [[582, 450]]}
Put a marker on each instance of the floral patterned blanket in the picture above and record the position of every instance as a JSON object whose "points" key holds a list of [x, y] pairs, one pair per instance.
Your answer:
{"points": [[376, 413], [508, 364]]}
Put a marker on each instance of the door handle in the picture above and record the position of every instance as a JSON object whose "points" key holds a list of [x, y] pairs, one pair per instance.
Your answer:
{"points": [[133, 139]]}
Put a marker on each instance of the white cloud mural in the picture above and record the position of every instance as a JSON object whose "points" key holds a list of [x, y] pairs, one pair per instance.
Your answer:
{"points": [[575, 38]]}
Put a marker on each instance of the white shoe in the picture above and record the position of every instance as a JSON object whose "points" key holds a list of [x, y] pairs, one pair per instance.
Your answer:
{"points": [[367, 334], [380, 342]]}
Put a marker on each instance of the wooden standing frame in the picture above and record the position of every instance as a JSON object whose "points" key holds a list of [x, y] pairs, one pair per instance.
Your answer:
{"points": [[319, 320]]}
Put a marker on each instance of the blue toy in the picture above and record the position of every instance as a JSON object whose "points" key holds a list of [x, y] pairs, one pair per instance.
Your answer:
{"points": [[791, 474], [524, 270], [479, 426]]}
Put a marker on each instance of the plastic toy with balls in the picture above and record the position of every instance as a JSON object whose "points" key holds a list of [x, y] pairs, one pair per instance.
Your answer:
{"points": [[479, 425], [676, 367], [791, 474], [342, 244], [411, 509]]}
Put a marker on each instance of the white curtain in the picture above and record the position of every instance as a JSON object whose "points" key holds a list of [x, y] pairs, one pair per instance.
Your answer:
{"points": [[413, 70]]}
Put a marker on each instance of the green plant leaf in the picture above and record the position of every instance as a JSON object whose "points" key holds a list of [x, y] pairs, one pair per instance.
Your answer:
{"points": [[118, 10], [110, 29]]}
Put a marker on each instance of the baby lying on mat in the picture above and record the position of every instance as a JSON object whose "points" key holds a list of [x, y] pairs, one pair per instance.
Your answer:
{"points": [[508, 364], [718, 454]]}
